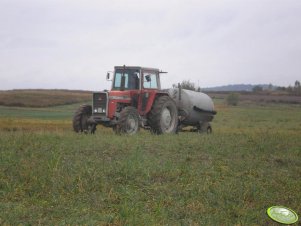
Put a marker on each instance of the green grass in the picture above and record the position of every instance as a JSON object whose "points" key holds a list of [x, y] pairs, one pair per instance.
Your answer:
{"points": [[49, 113], [250, 162]]}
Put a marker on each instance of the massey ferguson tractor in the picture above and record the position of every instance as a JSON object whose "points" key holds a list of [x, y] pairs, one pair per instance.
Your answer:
{"points": [[136, 100]]}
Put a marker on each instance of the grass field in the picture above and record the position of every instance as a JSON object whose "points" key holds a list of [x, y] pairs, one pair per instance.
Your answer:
{"points": [[51, 176], [42, 97]]}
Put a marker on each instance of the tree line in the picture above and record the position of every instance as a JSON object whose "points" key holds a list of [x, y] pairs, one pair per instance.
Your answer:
{"points": [[291, 90]]}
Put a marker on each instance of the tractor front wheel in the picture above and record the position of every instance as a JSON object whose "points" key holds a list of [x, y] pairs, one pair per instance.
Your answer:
{"points": [[128, 122], [163, 118], [80, 120]]}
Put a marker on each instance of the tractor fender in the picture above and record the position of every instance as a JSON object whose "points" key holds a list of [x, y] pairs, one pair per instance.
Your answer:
{"points": [[152, 96]]}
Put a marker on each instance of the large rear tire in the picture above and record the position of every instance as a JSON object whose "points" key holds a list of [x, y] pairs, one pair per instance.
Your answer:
{"points": [[80, 120], [163, 117], [128, 122]]}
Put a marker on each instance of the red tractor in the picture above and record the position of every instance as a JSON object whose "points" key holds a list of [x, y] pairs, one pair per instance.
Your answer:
{"points": [[135, 100]]}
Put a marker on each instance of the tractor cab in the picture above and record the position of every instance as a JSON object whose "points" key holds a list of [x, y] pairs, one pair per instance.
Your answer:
{"points": [[133, 86], [135, 78]]}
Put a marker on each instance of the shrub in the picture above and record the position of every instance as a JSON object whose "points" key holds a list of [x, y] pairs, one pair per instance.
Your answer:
{"points": [[187, 84], [232, 99], [257, 89]]}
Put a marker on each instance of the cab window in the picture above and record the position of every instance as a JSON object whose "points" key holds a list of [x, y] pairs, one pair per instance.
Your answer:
{"points": [[131, 80], [150, 81], [117, 80]]}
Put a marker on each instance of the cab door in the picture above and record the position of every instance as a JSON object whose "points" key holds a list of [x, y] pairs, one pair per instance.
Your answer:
{"points": [[149, 85]]}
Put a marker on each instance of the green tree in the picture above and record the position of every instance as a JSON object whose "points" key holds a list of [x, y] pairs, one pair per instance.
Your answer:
{"points": [[290, 89], [187, 84], [257, 89], [281, 88], [297, 88], [270, 87]]}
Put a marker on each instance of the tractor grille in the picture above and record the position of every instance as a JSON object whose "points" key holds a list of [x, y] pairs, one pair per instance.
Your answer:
{"points": [[100, 103]]}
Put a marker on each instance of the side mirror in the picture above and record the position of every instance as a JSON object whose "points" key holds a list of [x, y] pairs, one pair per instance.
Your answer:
{"points": [[147, 78], [109, 75]]}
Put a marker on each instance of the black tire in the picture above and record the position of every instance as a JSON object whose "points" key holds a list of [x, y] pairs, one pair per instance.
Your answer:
{"points": [[128, 122], [80, 119], [209, 129], [163, 117], [205, 128]]}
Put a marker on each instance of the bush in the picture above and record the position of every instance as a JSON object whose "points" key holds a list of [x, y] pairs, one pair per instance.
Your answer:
{"points": [[187, 84], [232, 99], [257, 89]]}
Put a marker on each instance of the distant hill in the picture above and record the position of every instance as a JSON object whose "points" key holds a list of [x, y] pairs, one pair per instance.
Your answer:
{"points": [[236, 87]]}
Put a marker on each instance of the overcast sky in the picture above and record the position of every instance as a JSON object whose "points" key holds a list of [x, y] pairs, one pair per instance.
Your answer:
{"points": [[71, 44]]}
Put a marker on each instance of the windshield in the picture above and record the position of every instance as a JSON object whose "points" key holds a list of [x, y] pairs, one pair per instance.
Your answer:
{"points": [[132, 78]]}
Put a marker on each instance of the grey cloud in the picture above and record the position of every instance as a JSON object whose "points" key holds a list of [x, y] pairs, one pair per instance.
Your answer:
{"points": [[71, 44]]}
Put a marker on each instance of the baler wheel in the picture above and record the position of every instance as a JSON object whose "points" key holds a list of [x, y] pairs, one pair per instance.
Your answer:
{"points": [[80, 120], [163, 117], [205, 128], [128, 122]]}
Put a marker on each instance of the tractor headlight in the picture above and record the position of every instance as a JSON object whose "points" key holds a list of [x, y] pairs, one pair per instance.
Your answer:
{"points": [[99, 110]]}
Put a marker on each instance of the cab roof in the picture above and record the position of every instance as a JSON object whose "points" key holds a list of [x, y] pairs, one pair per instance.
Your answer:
{"points": [[137, 68]]}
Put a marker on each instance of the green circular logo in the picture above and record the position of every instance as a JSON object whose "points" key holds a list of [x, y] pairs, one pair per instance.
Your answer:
{"points": [[282, 214]]}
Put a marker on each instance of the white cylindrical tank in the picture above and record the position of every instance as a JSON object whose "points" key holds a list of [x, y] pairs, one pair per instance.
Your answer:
{"points": [[194, 107]]}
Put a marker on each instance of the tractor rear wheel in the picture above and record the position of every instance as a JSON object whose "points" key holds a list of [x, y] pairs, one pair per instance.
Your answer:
{"points": [[128, 122], [80, 120], [163, 118]]}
